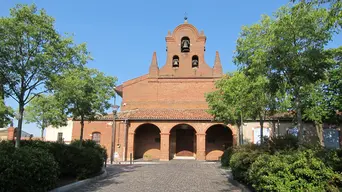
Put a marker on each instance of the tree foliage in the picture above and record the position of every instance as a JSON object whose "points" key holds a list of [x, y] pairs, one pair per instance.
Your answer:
{"points": [[84, 92], [31, 50], [289, 49], [44, 110], [240, 97]]}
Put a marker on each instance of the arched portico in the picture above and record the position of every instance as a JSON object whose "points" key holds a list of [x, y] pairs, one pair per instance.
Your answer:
{"points": [[182, 142], [218, 138], [147, 142]]}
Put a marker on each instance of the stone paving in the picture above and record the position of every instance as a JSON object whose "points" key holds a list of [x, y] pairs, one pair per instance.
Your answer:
{"points": [[173, 176]]}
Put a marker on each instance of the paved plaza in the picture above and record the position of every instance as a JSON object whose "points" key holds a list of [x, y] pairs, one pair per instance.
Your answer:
{"points": [[173, 176]]}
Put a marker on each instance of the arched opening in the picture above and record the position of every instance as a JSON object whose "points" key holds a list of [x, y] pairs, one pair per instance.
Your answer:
{"points": [[96, 136], [185, 44], [195, 61], [218, 138], [182, 142], [175, 61], [147, 142]]}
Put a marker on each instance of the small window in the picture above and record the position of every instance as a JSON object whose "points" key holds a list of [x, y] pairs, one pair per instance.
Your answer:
{"points": [[175, 61], [195, 61], [157, 140], [96, 136], [60, 137]]}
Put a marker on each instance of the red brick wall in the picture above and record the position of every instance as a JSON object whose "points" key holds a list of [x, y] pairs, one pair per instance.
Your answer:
{"points": [[145, 142], [184, 87]]}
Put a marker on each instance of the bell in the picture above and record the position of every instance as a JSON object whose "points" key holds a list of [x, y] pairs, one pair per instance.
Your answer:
{"points": [[194, 63], [186, 45], [175, 62]]}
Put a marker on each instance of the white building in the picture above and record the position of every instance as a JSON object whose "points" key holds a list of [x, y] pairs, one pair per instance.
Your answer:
{"points": [[60, 133]]}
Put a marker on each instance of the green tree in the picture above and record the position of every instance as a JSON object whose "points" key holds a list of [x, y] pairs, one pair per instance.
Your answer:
{"points": [[6, 114], [84, 93], [30, 51], [44, 110], [289, 50], [240, 94], [334, 82], [229, 103]]}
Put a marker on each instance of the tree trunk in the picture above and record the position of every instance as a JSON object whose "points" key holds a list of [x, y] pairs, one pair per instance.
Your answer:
{"points": [[20, 124], [319, 132], [241, 130], [261, 128], [81, 135], [42, 133], [2, 99], [299, 120]]}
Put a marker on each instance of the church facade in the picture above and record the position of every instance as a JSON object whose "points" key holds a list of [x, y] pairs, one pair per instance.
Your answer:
{"points": [[164, 113]]}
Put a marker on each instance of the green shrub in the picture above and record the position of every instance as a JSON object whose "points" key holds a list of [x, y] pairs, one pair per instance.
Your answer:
{"points": [[282, 143], [296, 171], [331, 158], [78, 162], [227, 154], [72, 160], [91, 144], [240, 163], [6, 147], [28, 169]]}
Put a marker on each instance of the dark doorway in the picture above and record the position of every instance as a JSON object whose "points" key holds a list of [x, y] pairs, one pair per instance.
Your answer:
{"points": [[182, 142], [218, 138], [185, 142]]}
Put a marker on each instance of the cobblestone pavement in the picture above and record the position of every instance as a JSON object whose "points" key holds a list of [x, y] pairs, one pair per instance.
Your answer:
{"points": [[173, 176]]}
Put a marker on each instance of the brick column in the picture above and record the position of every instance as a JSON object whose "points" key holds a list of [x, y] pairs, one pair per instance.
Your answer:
{"points": [[130, 145], [164, 146], [200, 154], [10, 133]]}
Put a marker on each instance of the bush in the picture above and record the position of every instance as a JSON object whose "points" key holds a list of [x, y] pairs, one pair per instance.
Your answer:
{"points": [[82, 162], [296, 171], [91, 144], [282, 143], [240, 163], [227, 154], [72, 160], [27, 169], [331, 158], [6, 147]]}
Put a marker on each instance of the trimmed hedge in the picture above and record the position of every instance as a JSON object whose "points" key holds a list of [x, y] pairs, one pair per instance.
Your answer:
{"points": [[27, 169], [299, 171], [227, 154], [280, 164], [44, 158], [240, 163]]}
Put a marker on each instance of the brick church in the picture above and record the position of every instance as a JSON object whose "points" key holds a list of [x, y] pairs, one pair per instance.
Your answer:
{"points": [[163, 113]]}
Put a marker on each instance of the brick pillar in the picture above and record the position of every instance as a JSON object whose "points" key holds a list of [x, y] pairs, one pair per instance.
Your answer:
{"points": [[10, 133], [130, 145], [200, 154], [235, 139], [164, 146]]}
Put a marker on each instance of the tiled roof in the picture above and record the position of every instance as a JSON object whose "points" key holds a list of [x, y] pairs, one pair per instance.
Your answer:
{"points": [[162, 114]]}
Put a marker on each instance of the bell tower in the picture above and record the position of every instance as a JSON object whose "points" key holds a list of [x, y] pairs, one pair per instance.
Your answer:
{"points": [[185, 48]]}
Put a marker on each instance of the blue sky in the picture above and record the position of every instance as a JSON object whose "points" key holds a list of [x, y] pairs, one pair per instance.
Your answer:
{"points": [[122, 35]]}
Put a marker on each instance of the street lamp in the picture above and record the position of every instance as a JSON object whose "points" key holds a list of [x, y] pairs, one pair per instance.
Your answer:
{"points": [[115, 109]]}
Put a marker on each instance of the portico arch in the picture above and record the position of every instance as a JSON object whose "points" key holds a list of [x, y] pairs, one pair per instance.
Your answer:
{"points": [[183, 142], [147, 142], [218, 138]]}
